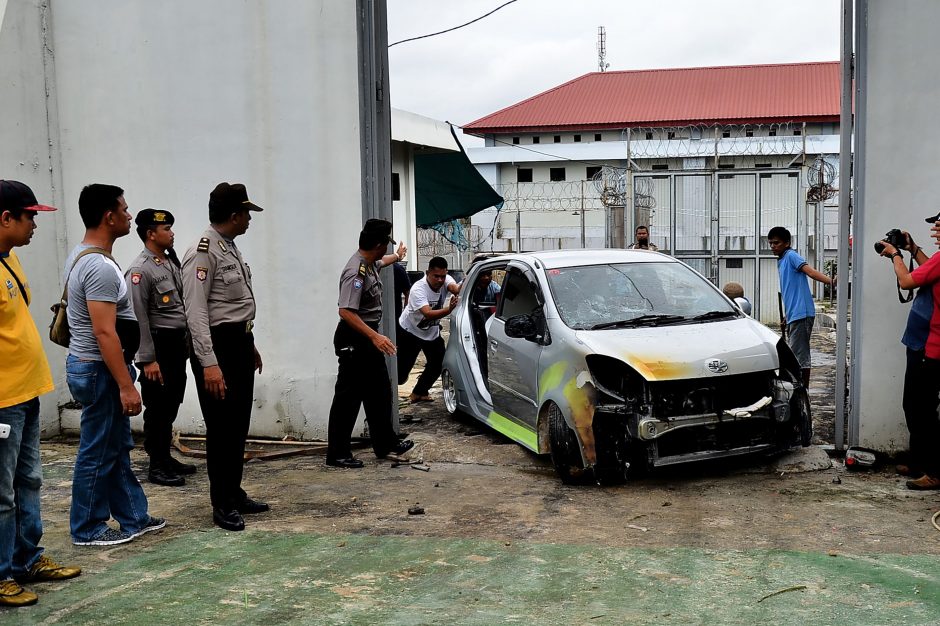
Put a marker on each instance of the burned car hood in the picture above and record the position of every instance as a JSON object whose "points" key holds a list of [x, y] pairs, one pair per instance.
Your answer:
{"points": [[723, 348]]}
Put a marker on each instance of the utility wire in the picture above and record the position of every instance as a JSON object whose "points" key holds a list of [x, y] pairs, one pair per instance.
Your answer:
{"points": [[454, 28]]}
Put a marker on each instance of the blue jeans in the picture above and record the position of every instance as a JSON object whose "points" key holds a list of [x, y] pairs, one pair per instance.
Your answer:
{"points": [[20, 480], [103, 483]]}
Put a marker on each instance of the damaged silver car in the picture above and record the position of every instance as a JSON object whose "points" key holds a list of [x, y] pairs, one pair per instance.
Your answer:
{"points": [[613, 360]]}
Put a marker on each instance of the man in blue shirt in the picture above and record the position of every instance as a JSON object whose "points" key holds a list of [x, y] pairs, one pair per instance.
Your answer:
{"points": [[798, 306]]}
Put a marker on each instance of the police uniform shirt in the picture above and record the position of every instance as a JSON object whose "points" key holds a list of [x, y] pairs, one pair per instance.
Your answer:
{"points": [[360, 288], [156, 290], [217, 290]]}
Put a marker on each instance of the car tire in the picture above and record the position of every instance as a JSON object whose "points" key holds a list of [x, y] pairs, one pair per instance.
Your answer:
{"points": [[450, 392], [801, 410], [565, 450]]}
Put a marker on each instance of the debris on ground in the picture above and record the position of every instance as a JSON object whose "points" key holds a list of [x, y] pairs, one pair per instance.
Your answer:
{"points": [[779, 591], [423, 468], [416, 510]]}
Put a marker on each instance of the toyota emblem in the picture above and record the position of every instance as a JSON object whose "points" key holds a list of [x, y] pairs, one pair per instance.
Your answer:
{"points": [[716, 366]]}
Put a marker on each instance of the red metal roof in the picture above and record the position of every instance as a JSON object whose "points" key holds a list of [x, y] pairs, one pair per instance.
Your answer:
{"points": [[739, 94]]}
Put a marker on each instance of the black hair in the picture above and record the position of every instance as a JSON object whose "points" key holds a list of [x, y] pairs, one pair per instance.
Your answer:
{"points": [[643, 226], [221, 214], [781, 233], [437, 263], [17, 212], [96, 200], [369, 239]]}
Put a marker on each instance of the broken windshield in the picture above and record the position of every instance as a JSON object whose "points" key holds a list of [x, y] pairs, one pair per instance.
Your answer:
{"points": [[591, 296]]}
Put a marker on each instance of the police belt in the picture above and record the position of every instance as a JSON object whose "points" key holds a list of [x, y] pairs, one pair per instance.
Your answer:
{"points": [[233, 328]]}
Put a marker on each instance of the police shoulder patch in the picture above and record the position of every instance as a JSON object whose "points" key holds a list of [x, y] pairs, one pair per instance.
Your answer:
{"points": [[135, 278], [362, 269], [222, 246], [357, 283], [202, 273], [203, 245]]}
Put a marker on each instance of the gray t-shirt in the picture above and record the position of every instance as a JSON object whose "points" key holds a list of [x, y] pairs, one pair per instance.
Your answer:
{"points": [[97, 278]]}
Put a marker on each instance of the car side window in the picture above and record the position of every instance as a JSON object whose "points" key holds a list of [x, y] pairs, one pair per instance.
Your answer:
{"points": [[517, 297]]}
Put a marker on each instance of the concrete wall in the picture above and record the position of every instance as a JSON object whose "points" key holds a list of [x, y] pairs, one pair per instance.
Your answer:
{"points": [[896, 185], [166, 100]]}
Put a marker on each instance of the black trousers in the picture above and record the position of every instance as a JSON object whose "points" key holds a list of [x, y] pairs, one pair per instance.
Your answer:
{"points": [[162, 402], [920, 401], [227, 419], [362, 380], [408, 348]]}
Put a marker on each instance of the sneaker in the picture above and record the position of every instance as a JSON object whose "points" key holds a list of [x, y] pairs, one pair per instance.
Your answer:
{"points": [[45, 569], [154, 523], [924, 483], [11, 594], [110, 537]]}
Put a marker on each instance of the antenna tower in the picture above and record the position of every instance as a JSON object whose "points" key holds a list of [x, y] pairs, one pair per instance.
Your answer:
{"points": [[602, 63]]}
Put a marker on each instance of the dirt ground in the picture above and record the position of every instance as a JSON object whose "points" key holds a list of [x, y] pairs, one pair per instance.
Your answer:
{"points": [[481, 484]]}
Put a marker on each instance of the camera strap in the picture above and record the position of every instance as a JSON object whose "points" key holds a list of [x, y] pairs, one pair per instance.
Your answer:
{"points": [[910, 292]]}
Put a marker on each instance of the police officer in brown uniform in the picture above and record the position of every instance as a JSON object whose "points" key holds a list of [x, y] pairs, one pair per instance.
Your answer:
{"points": [[362, 378], [220, 310], [156, 288]]}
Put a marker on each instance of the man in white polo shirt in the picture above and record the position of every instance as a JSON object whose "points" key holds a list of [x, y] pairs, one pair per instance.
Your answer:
{"points": [[421, 321]]}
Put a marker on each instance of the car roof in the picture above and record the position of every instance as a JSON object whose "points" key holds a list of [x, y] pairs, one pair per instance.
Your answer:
{"points": [[601, 256]]}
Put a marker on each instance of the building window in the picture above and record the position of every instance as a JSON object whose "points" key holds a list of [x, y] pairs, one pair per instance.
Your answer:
{"points": [[524, 175], [536, 139], [556, 174], [396, 187], [734, 264], [772, 133], [726, 134], [557, 138], [577, 138], [762, 165], [659, 166], [591, 172], [726, 166], [515, 141], [798, 132], [649, 136], [597, 136], [671, 135], [749, 133]]}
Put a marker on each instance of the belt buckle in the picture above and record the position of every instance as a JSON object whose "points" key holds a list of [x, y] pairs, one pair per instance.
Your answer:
{"points": [[249, 325]]}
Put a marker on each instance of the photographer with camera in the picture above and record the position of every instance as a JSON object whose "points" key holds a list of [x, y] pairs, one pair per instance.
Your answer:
{"points": [[922, 341]]}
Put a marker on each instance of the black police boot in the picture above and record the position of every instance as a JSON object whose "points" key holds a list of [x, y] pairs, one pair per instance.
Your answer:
{"points": [[249, 506], [228, 519], [178, 467], [161, 474]]}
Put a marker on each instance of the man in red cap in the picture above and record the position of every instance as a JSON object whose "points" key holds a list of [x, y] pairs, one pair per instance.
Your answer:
{"points": [[24, 376]]}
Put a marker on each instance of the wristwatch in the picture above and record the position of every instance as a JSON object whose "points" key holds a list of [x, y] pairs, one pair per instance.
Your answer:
{"points": [[896, 254]]}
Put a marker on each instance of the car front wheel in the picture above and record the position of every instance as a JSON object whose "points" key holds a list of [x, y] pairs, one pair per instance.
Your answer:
{"points": [[565, 449]]}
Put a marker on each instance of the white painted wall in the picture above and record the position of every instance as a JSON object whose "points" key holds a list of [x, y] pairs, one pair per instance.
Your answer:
{"points": [[897, 152], [166, 99]]}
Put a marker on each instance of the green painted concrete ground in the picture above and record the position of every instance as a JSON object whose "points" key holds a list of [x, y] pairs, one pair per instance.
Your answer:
{"points": [[263, 578]]}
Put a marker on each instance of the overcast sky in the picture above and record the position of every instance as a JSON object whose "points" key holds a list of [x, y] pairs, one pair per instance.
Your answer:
{"points": [[534, 45]]}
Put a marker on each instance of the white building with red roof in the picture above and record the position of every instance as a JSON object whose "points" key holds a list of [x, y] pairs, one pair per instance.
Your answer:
{"points": [[710, 158]]}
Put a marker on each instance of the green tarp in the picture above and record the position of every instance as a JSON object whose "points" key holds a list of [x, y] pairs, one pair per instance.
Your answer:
{"points": [[448, 187]]}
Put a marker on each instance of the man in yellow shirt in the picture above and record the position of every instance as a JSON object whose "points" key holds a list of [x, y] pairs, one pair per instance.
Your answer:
{"points": [[24, 376]]}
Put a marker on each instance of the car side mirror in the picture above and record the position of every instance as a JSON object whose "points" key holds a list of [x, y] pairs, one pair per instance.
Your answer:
{"points": [[744, 304], [522, 327]]}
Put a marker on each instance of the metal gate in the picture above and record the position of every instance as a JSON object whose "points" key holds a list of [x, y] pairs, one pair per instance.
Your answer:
{"points": [[717, 222]]}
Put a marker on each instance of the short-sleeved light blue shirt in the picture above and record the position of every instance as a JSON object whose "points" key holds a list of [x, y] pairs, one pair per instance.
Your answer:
{"points": [[794, 285]]}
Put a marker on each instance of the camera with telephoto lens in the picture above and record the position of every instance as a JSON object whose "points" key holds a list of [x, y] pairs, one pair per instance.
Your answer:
{"points": [[895, 237]]}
